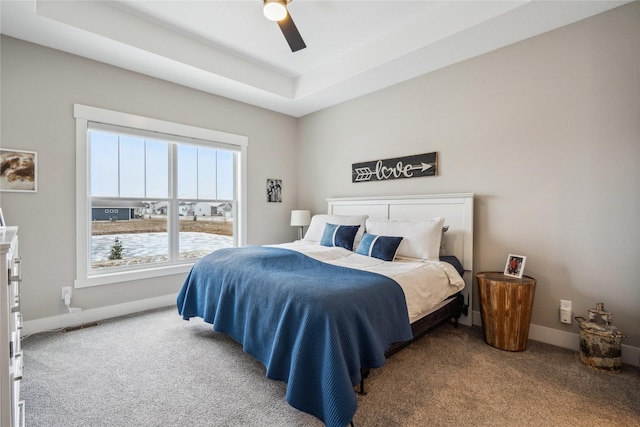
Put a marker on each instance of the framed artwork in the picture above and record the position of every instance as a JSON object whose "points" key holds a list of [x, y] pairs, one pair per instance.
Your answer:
{"points": [[2, 223], [515, 266], [415, 166], [274, 190], [18, 170]]}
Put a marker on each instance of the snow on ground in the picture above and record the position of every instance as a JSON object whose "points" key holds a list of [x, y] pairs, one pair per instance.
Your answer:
{"points": [[153, 244]]}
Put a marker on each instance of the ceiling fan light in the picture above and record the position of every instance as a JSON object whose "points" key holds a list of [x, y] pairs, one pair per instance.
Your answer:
{"points": [[275, 10]]}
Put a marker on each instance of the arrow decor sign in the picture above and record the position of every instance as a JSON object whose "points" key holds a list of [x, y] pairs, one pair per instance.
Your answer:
{"points": [[401, 167]]}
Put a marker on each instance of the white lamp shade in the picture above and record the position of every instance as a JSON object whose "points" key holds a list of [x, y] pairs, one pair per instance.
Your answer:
{"points": [[275, 10], [300, 218]]}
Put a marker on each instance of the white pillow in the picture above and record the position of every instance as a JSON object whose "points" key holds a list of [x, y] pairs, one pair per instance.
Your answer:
{"points": [[421, 237], [316, 227]]}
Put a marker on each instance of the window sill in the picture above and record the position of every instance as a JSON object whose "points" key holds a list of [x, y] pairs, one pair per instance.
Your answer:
{"points": [[126, 276]]}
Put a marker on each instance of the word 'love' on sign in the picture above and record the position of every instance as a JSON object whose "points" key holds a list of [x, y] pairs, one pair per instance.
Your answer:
{"points": [[399, 168]]}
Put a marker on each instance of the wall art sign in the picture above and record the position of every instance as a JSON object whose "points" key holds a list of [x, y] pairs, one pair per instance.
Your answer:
{"points": [[415, 166], [18, 170]]}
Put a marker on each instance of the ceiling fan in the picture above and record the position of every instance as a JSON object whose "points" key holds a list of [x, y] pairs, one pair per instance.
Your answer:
{"points": [[276, 10]]}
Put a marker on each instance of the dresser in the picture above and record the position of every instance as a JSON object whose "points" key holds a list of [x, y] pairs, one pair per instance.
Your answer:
{"points": [[11, 407]]}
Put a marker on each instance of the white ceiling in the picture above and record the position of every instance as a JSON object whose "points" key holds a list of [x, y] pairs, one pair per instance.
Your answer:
{"points": [[229, 48]]}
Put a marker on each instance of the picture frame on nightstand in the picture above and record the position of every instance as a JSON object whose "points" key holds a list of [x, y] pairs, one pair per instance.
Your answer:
{"points": [[515, 266]]}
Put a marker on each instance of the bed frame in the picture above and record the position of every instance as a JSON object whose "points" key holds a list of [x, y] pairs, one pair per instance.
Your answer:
{"points": [[457, 209]]}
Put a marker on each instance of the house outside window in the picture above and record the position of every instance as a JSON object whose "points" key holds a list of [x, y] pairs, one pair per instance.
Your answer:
{"points": [[153, 198]]}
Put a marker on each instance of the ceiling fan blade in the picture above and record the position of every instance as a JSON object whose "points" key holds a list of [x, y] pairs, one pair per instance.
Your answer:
{"points": [[291, 34]]}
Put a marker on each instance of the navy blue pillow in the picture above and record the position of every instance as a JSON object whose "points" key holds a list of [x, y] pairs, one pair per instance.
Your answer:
{"points": [[451, 259], [339, 235], [381, 247]]}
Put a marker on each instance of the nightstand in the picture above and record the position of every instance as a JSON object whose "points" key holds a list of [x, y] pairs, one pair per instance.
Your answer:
{"points": [[505, 305]]}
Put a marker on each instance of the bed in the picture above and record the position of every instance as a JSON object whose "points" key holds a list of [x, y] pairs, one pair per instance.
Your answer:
{"points": [[320, 312]]}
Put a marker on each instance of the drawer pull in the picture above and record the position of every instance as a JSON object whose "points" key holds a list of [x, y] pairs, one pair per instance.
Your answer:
{"points": [[22, 407], [18, 367], [16, 266], [18, 320]]}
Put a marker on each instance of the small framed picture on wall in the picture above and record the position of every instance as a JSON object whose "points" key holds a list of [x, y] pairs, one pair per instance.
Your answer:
{"points": [[515, 266], [19, 170], [274, 190]]}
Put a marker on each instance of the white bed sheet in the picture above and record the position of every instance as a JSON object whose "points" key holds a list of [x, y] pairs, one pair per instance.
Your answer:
{"points": [[425, 283]]}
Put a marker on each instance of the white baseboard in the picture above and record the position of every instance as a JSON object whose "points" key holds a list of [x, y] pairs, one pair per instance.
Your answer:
{"points": [[95, 314], [571, 341], [630, 355]]}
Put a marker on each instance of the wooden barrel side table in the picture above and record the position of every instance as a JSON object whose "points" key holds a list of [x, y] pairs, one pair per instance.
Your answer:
{"points": [[505, 306]]}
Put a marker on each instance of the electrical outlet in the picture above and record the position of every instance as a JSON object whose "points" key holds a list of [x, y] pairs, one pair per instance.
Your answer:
{"points": [[66, 291], [565, 311]]}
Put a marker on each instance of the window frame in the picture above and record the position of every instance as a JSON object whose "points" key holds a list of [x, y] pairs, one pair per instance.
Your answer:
{"points": [[86, 115]]}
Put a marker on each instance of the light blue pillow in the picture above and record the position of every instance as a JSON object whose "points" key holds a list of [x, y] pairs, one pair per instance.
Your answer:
{"points": [[381, 247], [339, 235]]}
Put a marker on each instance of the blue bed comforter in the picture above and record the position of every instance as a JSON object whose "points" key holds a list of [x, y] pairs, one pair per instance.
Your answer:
{"points": [[313, 325]]}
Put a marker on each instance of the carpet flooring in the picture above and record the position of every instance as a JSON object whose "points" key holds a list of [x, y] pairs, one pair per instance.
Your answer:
{"points": [[155, 369]]}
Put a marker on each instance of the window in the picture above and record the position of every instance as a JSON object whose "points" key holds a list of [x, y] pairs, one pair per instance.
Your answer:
{"points": [[153, 196]]}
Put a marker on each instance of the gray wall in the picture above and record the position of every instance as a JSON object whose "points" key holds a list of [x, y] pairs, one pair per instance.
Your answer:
{"points": [[545, 132], [39, 88]]}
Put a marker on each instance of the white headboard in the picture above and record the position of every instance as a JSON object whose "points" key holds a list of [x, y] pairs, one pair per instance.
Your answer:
{"points": [[456, 208]]}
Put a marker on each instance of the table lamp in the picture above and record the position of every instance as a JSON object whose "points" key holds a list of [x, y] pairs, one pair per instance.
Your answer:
{"points": [[300, 218]]}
